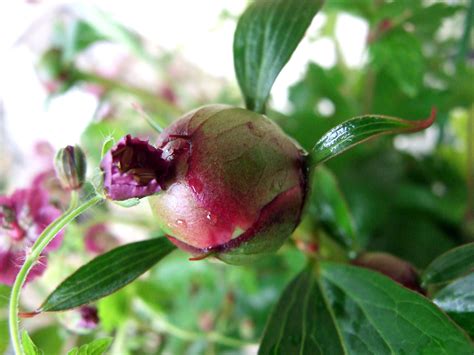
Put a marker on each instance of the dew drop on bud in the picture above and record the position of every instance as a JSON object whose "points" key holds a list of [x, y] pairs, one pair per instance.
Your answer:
{"points": [[181, 223], [211, 218]]}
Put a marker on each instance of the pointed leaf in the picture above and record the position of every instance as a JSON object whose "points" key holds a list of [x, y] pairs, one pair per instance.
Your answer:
{"points": [[96, 347], [266, 36], [107, 273], [359, 129], [350, 310], [329, 206], [28, 346], [457, 300], [450, 265]]}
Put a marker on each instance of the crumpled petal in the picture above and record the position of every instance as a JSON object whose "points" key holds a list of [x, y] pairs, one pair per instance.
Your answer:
{"points": [[133, 169]]}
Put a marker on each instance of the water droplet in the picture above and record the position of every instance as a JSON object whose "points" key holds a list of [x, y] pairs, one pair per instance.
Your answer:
{"points": [[181, 223], [211, 218]]}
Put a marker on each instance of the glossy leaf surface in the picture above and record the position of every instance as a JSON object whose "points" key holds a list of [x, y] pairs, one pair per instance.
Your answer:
{"points": [[452, 264], [359, 129], [350, 310], [457, 300], [266, 36], [107, 273]]}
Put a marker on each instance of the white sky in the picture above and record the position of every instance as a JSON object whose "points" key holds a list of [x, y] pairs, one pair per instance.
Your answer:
{"points": [[189, 27]]}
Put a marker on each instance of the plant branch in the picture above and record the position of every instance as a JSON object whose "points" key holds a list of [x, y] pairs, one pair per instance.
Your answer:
{"points": [[32, 257]]}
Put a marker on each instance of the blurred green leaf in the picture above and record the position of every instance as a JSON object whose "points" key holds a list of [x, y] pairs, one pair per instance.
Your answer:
{"points": [[265, 38], [357, 311], [78, 36], [115, 308], [4, 336], [329, 206], [451, 265], [107, 273], [4, 295], [28, 346], [49, 339], [97, 132], [399, 54], [358, 130], [97, 347], [457, 300]]}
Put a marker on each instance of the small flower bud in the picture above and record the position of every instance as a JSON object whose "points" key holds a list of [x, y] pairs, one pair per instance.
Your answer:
{"points": [[397, 269], [70, 164]]}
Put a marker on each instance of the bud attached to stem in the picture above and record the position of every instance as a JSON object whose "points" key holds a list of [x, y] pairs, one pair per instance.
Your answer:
{"points": [[70, 165]]}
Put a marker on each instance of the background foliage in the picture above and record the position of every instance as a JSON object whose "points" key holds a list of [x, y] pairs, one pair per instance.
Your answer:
{"points": [[412, 197]]}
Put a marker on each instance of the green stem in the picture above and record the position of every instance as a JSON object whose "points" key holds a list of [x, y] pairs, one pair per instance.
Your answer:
{"points": [[164, 325], [32, 257], [154, 100]]}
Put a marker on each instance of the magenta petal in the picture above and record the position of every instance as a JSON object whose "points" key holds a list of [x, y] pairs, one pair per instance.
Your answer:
{"points": [[133, 169]]}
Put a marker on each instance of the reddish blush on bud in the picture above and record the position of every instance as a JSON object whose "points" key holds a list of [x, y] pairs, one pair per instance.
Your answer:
{"points": [[238, 186], [397, 269]]}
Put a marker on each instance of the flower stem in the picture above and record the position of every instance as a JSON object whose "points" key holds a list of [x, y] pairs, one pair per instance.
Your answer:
{"points": [[32, 257]]}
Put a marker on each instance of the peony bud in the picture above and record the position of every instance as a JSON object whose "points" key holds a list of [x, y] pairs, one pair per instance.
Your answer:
{"points": [[399, 270], [238, 184], [70, 165]]}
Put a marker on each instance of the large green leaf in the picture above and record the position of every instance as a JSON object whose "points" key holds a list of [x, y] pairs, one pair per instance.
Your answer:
{"points": [[350, 310], [266, 36], [457, 299], [328, 205], [107, 273], [452, 264], [360, 129]]}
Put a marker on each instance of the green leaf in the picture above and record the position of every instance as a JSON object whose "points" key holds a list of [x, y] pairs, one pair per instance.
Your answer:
{"points": [[350, 310], [28, 346], [4, 295], [97, 347], [457, 300], [4, 336], [452, 264], [329, 206], [266, 36], [399, 54], [107, 273], [360, 129]]}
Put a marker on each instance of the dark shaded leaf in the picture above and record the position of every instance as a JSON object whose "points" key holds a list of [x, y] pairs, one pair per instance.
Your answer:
{"points": [[457, 300], [97, 347], [360, 129], [107, 273], [266, 36], [350, 310], [329, 206], [452, 264]]}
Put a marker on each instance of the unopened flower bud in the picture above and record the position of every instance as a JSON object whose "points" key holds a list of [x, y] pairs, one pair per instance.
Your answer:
{"points": [[397, 269], [70, 165], [238, 186]]}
